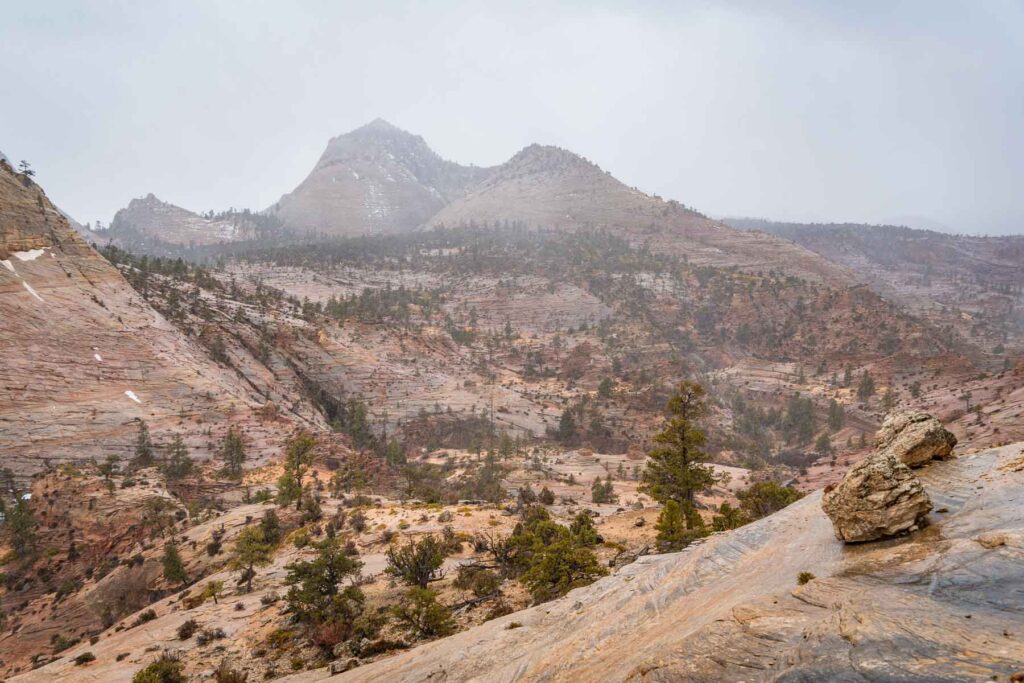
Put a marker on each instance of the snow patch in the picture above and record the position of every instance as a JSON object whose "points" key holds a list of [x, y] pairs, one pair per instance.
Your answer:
{"points": [[355, 175], [10, 266], [32, 291], [31, 254], [98, 357], [131, 394]]}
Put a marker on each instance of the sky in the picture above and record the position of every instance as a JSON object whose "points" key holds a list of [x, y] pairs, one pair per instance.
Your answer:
{"points": [[908, 112]]}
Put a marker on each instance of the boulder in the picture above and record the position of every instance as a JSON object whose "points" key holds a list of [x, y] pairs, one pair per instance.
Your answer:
{"points": [[915, 438], [878, 497]]}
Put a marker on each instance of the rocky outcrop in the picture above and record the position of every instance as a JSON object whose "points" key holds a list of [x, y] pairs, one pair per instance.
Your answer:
{"points": [[879, 497], [914, 438]]}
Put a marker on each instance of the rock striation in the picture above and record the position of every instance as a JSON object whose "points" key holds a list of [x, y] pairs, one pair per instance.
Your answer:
{"points": [[915, 438]]}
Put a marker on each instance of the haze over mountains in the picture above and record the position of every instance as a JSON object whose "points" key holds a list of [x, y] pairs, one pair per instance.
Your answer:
{"points": [[471, 351]]}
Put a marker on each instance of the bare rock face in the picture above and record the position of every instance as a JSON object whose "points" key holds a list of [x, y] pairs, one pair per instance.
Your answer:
{"points": [[879, 497], [915, 438]]}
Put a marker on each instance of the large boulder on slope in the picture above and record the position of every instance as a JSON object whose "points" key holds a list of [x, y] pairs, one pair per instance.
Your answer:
{"points": [[878, 497], [915, 438]]}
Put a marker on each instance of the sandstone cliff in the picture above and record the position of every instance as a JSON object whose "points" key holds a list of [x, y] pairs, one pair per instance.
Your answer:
{"points": [[83, 356]]}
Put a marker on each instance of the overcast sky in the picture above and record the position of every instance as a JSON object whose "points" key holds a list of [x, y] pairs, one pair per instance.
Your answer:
{"points": [[844, 111]]}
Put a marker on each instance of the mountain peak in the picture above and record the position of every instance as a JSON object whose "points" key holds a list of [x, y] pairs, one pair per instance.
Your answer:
{"points": [[379, 124], [538, 158]]}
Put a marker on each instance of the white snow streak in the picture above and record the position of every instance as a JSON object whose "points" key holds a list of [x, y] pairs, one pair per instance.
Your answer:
{"points": [[131, 394], [32, 291], [10, 266], [98, 357]]}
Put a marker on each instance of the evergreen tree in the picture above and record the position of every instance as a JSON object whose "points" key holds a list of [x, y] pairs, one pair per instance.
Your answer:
{"points": [[178, 464], [358, 425], [174, 568], [316, 595], [836, 416], [143, 447], [567, 428], [866, 387], [233, 453], [251, 551], [679, 524], [395, 452], [298, 458], [22, 527], [676, 470]]}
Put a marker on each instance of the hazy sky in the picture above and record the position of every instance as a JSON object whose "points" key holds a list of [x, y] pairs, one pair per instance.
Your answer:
{"points": [[857, 111]]}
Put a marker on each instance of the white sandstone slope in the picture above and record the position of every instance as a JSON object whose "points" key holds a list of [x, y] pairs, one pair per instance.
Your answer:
{"points": [[942, 604]]}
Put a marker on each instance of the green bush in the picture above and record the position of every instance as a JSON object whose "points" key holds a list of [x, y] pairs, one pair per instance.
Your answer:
{"points": [[423, 615], [166, 669]]}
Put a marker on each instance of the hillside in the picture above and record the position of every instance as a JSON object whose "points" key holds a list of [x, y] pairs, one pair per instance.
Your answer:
{"points": [[83, 358], [972, 283], [375, 179], [552, 188], [939, 604]]}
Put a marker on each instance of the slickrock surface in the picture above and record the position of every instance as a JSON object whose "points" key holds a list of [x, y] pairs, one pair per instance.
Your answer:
{"points": [[82, 356], [879, 497], [730, 609], [915, 438]]}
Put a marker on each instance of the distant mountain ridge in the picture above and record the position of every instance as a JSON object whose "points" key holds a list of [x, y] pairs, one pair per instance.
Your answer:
{"points": [[972, 282], [380, 179]]}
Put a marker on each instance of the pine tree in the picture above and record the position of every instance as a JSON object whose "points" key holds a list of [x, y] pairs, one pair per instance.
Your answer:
{"points": [[671, 527], [298, 458], [567, 428], [233, 453], [676, 470], [21, 526], [178, 464], [251, 550], [836, 416], [174, 568], [866, 387], [143, 447]]}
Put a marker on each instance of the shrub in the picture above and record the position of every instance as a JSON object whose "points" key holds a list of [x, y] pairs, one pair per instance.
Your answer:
{"points": [[225, 674], [583, 530], [678, 526], [546, 497], [765, 498], [208, 635], [84, 658], [148, 615], [187, 629], [417, 563], [166, 669], [423, 615], [804, 578], [559, 567], [477, 580]]}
